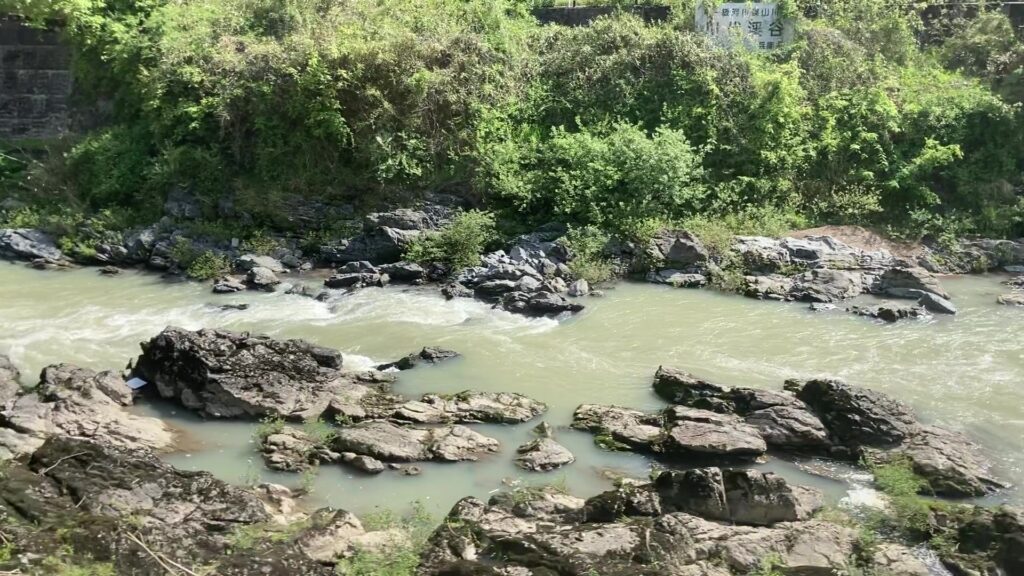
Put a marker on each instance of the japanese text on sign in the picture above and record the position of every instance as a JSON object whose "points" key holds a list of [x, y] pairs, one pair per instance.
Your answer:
{"points": [[757, 25]]}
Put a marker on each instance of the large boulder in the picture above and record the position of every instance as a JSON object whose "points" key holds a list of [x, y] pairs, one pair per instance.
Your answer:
{"points": [[428, 355], [543, 454], [392, 443], [739, 496], [692, 431], [29, 244], [677, 249], [72, 401], [616, 426], [857, 416], [789, 426], [470, 407], [908, 282], [237, 374]]}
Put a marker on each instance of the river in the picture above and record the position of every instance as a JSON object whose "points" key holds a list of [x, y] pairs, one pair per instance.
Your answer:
{"points": [[964, 372]]}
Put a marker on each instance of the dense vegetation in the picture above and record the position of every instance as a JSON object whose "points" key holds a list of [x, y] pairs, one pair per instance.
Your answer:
{"points": [[870, 117]]}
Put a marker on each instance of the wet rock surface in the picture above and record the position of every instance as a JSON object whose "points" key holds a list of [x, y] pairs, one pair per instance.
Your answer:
{"points": [[888, 312], [428, 355], [29, 244]]}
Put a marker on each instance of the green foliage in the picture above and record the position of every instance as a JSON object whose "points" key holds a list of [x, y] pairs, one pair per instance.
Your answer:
{"points": [[614, 176], [208, 265], [459, 244], [908, 513], [615, 125], [588, 259], [260, 243], [770, 565], [319, 431], [268, 426], [400, 556]]}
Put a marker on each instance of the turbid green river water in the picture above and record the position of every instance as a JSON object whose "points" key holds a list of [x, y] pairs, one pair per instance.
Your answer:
{"points": [[964, 372]]}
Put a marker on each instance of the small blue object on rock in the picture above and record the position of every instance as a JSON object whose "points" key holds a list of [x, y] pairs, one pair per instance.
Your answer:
{"points": [[136, 383]]}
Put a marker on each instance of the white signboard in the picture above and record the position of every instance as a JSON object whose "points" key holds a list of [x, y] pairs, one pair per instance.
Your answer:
{"points": [[758, 25]]}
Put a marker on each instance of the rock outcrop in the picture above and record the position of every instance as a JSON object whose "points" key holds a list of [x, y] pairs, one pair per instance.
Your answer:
{"points": [[428, 355], [644, 530], [236, 374], [76, 402], [386, 235]]}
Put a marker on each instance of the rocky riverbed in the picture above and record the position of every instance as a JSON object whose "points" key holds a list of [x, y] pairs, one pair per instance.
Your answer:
{"points": [[396, 395]]}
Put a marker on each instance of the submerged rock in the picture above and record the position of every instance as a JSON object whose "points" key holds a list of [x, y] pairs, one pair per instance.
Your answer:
{"points": [[429, 355], [1012, 299], [542, 455], [888, 312]]}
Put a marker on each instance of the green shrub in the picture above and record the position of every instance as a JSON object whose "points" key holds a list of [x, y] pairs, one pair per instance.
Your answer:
{"points": [[261, 243], [458, 244], [268, 426], [611, 176], [208, 265], [588, 259]]}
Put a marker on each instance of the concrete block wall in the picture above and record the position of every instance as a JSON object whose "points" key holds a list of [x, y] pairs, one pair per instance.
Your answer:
{"points": [[35, 82]]}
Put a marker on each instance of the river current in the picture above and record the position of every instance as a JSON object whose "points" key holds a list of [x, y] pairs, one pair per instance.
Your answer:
{"points": [[964, 372]]}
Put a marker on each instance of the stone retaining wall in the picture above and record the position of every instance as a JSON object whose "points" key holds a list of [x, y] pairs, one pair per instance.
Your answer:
{"points": [[35, 81]]}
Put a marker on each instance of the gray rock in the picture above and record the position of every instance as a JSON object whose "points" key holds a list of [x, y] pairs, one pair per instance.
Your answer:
{"points": [[9, 386], [739, 496], [679, 387], [368, 464], [953, 465], [789, 426], [677, 278], [356, 280], [247, 262], [140, 244], [404, 272], [677, 249], [72, 401], [236, 374], [622, 426], [456, 290], [902, 282], [429, 355], [360, 267], [936, 304], [542, 455], [539, 304], [393, 443], [1012, 299], [292, 450], [28, 244], [825, 285], [694, 431], [494, 289], [857, 416], [471, 407], [262, 278], [888, 312], [228, 285], [579, 288]]}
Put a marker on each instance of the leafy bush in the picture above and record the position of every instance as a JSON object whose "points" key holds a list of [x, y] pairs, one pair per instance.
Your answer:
{"points": [[612, 177], [209, 265], [588, 260], [459, 244]]}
